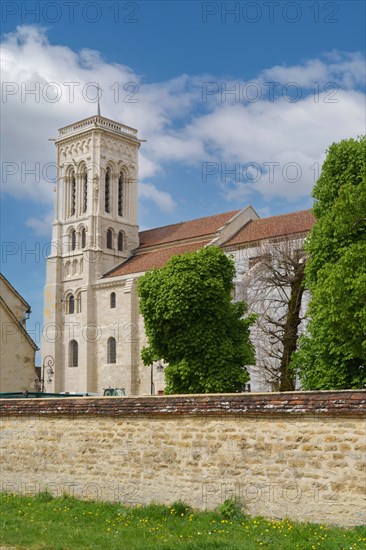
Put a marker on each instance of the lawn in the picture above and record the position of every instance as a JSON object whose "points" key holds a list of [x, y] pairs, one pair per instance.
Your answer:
{"points": [[43, 522]]}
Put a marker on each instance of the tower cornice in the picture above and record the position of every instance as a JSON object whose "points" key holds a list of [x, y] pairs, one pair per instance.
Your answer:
{"points": [[97, 123]]}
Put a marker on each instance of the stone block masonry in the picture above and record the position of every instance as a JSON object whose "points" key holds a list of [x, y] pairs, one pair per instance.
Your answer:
{"points": [[299, 455]]}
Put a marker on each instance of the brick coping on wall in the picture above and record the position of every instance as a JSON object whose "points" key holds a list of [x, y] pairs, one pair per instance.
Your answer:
{"points": [[327, 403]]}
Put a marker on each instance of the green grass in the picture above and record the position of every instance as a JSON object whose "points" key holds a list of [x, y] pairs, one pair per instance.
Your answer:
{"points": [[43, 522]]}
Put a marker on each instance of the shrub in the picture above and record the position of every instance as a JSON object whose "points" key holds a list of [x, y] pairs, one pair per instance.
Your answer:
{"points": [[232, 509], [180, 508]]}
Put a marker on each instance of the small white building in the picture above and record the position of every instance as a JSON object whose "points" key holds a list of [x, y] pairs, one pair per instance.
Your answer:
{"points": [[17, 356], [92, 325]]}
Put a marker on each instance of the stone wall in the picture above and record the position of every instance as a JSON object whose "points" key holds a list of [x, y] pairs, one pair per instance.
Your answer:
{"points": [[298, 454]]}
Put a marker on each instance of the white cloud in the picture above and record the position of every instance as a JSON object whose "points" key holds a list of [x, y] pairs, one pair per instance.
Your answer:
{"points": [[162, 199], [41, 226], [303, 75], [279, 137], [178, 125], [347, 69]]}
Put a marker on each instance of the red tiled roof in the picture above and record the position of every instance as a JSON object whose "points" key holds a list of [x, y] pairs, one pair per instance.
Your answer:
{"points": [[275, 226], [157, 258], [185, 230], [148, 256]]}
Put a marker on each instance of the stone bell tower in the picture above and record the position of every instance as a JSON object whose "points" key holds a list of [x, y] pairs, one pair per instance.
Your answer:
{"points": [[95, 228]]}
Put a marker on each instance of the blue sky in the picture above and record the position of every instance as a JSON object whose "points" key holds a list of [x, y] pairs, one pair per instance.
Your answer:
{"points": [[295, 70]]}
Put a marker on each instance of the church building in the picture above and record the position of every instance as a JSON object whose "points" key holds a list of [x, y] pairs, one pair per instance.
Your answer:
{"points": [[92, 325]]}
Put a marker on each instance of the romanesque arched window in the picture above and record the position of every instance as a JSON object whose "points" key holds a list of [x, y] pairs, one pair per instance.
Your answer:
{"points": [[71, 304], [73, 239], [110, 238], [73, 354], [78, 302], [83, 237], [107, 190], [112, 300], [85, 191], [73, 194], [111, 350], [120, 195], [121, 241]]}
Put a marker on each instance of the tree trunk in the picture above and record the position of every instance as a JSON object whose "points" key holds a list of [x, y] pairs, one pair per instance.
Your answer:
{"points": [[290, 335]]}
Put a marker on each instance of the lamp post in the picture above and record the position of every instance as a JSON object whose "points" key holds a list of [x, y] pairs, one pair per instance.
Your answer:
{"points": [[47, 368], [152, 389], [159, 368]]}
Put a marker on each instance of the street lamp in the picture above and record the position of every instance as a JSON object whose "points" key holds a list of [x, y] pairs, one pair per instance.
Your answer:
{"points": [[47, 368], [159, 368]]}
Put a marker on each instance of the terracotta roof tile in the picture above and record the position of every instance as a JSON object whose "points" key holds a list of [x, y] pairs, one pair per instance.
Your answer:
{"points": [[184, 230], [274, 226], [170, 238], [142, 262]]}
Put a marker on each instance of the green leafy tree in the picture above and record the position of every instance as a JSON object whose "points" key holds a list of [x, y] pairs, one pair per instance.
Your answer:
{"points": [[192, 324], [333, 354]]}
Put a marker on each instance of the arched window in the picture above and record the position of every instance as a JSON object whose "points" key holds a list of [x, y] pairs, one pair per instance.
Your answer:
{"points": [[78, 302], [120, 195], [121, 240], [83, 238], [71, 304], [73, 195], [110, 238], [112, 300], [73, 240], [73, 353], [111, 350], [85, 191], [107, 190]]}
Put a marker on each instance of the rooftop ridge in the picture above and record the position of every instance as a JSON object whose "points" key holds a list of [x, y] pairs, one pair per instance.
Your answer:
{"points": [[192, 220], [221, 214], [286, 214], [17, 324], [7, 282]]}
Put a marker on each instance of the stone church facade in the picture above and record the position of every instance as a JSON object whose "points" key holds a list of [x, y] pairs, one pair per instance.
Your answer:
{"points": [[92, 325]]}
